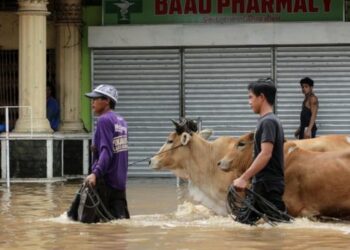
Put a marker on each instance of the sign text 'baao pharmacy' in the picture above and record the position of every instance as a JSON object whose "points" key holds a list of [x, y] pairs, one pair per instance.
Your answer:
{"points": [[219, 11]]}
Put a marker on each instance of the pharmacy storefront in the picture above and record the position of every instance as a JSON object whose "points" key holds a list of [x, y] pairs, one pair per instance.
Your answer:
{"points": [[194, 58]]}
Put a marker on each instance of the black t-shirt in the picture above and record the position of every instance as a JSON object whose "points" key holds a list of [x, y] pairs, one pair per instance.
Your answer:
{"points": [[269, 129]]}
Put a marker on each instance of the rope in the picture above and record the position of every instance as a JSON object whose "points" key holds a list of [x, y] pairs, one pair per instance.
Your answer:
{"points": [[97, 203], [147, 158], [248, 209]]}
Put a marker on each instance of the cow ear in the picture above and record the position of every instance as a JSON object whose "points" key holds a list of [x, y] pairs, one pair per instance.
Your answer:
{"points": [[185, 138], [205, 133]]}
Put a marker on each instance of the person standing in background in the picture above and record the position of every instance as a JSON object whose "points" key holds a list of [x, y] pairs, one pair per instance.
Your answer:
{"points": [[52, 108], [307, 128]]}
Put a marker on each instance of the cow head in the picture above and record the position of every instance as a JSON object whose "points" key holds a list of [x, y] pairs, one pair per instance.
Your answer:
{"points": [[175, 152], [240, 157]]}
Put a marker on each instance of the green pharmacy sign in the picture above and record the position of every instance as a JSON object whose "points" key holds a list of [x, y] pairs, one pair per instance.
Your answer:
{"points": [[219, 11]]}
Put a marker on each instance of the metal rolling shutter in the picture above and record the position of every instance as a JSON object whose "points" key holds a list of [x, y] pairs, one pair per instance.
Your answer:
{"points": [[148, 82], [329, 67], [216, 82]]}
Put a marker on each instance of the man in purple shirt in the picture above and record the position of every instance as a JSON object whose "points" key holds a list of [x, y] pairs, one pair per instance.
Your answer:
{"points": [[110, 151]]}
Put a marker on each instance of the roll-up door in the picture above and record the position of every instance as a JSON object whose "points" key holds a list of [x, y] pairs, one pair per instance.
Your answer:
{"points": [[216, 81], [329, 67], [148, 82]]}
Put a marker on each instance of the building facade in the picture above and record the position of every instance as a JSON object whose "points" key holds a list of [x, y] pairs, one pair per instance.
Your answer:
{"points": [[167, 58], [194, 58]]}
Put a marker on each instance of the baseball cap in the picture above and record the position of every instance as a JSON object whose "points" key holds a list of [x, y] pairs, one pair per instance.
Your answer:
{"points": [[104, 90]]}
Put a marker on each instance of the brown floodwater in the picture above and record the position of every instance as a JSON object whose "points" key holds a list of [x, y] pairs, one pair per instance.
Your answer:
{"points": [[32, 216]]}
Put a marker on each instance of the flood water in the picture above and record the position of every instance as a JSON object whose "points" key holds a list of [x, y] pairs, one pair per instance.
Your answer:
{"points": [[33, 217]]}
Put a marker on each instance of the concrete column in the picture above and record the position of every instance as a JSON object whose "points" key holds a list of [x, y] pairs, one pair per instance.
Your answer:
{"points": [[32, 66], [68, 63]]}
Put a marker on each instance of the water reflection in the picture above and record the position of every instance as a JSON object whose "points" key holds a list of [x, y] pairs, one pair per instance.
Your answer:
{"points": [[5, 195], [33, 217]]}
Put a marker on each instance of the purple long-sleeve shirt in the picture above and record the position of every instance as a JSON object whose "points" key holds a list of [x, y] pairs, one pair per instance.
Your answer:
{"points": [[111, 154]]}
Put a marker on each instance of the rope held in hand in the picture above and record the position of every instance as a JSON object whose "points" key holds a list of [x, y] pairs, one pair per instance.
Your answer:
{"points": [[249, 207]]}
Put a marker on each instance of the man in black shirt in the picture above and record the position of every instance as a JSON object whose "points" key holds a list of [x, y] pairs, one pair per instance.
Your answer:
{"points": [[267, 169], [307, 128]]}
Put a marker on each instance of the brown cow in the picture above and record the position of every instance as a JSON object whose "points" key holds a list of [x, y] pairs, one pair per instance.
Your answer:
{"points": [[191, 156], [316, 182], [324, 143]]}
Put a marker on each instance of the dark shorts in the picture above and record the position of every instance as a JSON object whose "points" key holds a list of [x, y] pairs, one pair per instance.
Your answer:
{"points": [[114, 200], [117, 204], [98, 204], [302, 129], [271, 191]]}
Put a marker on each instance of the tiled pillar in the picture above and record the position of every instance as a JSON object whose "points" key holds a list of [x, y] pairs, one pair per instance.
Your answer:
{"points": [[32, 66], [68, 56]]}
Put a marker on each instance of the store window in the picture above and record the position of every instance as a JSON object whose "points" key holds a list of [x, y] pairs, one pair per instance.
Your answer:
{"points": [[8, 5], [9, 82]]}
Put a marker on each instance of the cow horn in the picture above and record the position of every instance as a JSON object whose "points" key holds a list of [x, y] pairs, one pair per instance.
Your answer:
{"points": [[177, 125]]}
